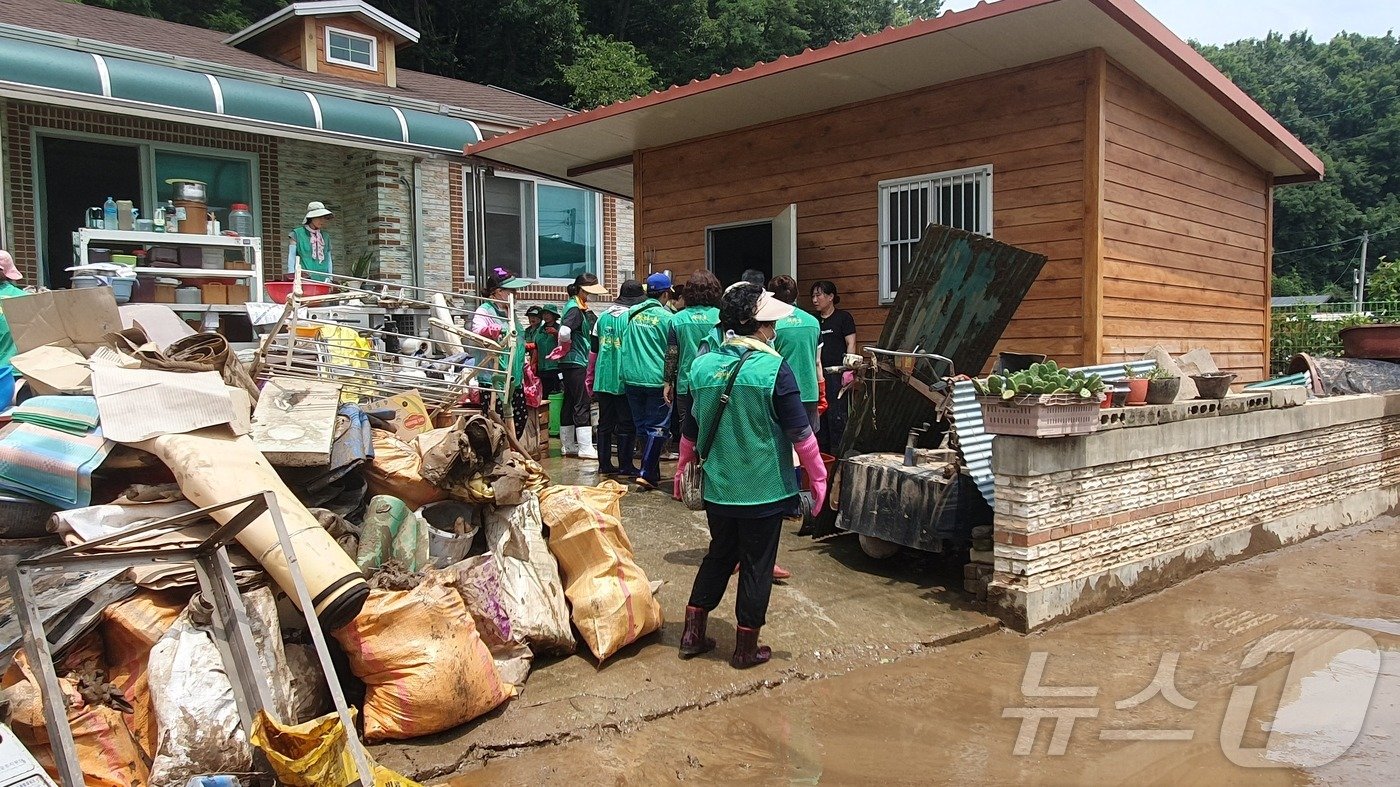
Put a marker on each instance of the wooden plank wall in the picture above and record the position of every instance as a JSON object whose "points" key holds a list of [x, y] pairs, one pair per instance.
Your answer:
{"points": [[1028, 124], [1186, 228]]}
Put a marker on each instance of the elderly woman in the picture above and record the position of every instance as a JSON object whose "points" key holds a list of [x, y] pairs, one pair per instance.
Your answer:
{"points": [[313, 243], [492, 320], [747, 417]]}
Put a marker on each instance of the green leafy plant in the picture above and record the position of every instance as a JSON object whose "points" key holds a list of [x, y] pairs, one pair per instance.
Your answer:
{"points": [[1041, 379], [1158, 373], [1132, 375], [360, 268]]}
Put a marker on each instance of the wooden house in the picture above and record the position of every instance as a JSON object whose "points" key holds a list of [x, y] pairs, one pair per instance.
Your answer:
{"points": [[1081, 129]]}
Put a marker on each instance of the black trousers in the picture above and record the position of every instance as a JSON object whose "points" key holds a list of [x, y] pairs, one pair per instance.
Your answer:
{"points": [[753, 545], [679, 412], [578, 410], [550, 382], [833, 421], [615, 416]]}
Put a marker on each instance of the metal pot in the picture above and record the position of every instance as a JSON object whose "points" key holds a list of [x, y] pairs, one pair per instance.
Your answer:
{"points": [[189, 190]]}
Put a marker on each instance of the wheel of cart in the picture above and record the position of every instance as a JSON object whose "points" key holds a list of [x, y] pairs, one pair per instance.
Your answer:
{"points": [[916, 499]]}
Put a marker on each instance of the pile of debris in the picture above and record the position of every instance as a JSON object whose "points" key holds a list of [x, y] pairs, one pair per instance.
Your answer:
{"points": [[226, 543]]}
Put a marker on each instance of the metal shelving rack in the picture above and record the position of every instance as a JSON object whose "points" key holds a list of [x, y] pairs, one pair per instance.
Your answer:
{"points": [[252, 252]]}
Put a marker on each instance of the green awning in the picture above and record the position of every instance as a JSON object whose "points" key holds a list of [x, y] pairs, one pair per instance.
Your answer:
{"points": [[128, 82]]}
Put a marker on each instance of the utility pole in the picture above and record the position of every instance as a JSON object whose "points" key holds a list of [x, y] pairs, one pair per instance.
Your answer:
{"points": [[1361, 282]]}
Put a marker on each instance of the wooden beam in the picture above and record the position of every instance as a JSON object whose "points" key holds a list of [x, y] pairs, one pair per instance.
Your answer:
{"points": [[638, 249], [308, 44], [1096, 63], [598, 166], [1269, 277]]}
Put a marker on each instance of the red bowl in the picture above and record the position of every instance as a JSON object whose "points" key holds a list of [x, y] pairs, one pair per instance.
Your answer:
{"points": [[279, 291]]}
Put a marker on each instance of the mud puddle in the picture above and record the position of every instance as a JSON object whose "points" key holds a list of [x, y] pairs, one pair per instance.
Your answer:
{"points": [[1269, 672]]}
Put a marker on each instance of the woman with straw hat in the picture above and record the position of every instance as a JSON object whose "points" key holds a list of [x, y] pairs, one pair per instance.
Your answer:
{"points": [[313, 243]]}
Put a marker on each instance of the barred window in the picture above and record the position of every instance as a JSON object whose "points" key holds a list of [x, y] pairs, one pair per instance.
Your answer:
{"points": [[960, 199]]}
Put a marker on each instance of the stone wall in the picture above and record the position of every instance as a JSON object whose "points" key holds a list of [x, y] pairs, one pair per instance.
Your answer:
{"points": [[1083, 523], [626, 225]]}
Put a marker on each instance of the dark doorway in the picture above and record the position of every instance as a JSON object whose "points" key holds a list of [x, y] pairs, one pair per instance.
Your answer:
{"points": [[734, 250], [79, 175]]}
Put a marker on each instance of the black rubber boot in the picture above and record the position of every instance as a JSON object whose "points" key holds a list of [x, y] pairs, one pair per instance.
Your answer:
{"points": [[626, 452], [747, 651], [693, 639], [605, 465]]}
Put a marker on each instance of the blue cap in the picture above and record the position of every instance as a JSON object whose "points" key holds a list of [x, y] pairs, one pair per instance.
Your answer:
{"points": [[658, 282]]}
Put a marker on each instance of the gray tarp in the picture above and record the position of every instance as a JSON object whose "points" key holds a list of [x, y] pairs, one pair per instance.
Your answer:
{"points": [[1342, 376]]}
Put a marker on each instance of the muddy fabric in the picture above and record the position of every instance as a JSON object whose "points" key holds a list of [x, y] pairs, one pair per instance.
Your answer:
{"points": [[345, 533], [202, 352], [394, 575]]}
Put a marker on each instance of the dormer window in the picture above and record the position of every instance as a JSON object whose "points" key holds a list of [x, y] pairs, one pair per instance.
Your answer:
{"points": [[345, 48]]}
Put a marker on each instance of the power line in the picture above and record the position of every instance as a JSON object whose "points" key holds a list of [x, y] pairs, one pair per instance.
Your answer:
{"points": [[1375, 234]]}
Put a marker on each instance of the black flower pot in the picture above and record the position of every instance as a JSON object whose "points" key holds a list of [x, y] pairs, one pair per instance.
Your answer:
{"points": [[1163, 391]]}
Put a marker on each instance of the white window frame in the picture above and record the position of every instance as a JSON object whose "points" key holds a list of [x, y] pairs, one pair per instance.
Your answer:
{"points": [[373, 49], [929, 181], [530, 236]]}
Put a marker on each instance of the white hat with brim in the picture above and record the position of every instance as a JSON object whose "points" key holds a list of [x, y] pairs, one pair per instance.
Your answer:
{"points": [[315, 210], [770, 309]]}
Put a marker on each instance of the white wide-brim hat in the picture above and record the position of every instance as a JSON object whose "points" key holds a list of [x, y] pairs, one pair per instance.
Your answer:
{"points": [[316, 210], [770, 309]]}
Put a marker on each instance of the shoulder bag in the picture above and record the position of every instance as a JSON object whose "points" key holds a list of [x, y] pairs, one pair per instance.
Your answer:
{"points": [[693, 479]]}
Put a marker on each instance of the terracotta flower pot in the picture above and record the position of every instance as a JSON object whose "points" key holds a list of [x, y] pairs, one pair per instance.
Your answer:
{"points": [[1137, 391]]}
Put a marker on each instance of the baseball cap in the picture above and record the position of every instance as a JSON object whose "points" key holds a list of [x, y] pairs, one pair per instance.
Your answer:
{"points": [[534, 311], [658, 282]]}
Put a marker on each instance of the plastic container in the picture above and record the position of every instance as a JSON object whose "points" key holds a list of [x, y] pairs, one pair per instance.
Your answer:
{"points": [[124, 259], [279, 291], [109, 214], [145, 225], [240, 219], [188, 295], [86, 282], [445, 546], [556, 408], [1038, 420], [122, 288]]}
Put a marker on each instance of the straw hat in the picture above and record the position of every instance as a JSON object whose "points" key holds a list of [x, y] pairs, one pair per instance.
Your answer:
{"points": [[316, 210]]}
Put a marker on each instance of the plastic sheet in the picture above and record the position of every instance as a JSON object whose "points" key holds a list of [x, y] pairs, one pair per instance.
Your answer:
{"points": [[315, 754]]}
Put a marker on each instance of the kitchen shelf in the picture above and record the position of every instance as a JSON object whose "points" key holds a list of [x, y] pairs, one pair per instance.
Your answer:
{"points": [[84, 238]]}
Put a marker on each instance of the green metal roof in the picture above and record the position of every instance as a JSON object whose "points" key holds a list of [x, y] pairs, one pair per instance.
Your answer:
{"points": [[127, 82]]}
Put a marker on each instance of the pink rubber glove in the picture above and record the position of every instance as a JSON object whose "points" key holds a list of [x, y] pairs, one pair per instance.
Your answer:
{"points": [[559, 352], [588, 376], [491, 331], [687, 456], [811, 458]]}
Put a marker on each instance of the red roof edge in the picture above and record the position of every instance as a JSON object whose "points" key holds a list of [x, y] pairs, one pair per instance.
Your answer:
{"points": [[1206, 76], [1133, 17], [890, 35]]}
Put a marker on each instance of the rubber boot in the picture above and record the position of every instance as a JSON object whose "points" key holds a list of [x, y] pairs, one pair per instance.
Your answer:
{"points": [[605, 464], [693, 639], [747, 651], [584, 435], [568, 441], [650, 477], [626, 452]]}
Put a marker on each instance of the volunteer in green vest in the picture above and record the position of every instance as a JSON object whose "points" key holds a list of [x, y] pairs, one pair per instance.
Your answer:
{"points": [[492, 320], [644, 375], [798, 336], [540, 340], [614, 414], [697, 322], [747, 447], [575, 357], [9, 274], [313, 243]]}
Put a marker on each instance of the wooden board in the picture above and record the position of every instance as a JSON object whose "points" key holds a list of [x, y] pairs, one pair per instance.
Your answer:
{"points": [[294, 422]]}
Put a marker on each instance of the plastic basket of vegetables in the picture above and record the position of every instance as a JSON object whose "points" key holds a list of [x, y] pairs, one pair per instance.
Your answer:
{"points": [[1044, 400]]}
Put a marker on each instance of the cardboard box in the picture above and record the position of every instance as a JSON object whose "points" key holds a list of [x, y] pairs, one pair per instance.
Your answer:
{"points": [[65, 318], [164, 293], [238, 265], [238, 293], [216, 294]]}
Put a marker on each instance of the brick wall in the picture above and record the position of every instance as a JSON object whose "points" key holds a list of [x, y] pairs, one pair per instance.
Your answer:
{"points": [[626, 224], [439, 183], [21, 192], [1086, 522]]}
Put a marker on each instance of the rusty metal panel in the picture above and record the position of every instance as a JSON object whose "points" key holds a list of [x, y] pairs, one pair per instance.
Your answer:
{"points": [[956, 299]]}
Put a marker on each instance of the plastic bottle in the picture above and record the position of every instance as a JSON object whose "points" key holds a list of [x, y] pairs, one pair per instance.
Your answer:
{"points": [[109, 214], [240, 219], [158, 221]]}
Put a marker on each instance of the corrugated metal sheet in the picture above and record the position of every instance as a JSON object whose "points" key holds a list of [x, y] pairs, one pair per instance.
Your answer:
{"points": [[975, 445], [1301, 378]]}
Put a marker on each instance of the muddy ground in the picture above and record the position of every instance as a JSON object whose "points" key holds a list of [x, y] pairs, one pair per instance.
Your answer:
{"points": [[1327, 609], [841, 610]]}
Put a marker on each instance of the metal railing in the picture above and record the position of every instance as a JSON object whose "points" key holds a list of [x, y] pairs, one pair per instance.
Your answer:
{"points": [[1315, 328]]}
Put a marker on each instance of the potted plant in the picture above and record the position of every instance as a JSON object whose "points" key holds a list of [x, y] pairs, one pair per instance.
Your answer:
{"points": [[1162, 386], [1043, 400], [1137, 386]]}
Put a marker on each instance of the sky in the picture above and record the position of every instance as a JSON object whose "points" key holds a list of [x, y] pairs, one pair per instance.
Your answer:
{"points": [[1223, 21]]}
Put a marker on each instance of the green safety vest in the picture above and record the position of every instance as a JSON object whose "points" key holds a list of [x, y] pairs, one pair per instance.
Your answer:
{"points": [[581, 341], [750, 461], [692, 324], [517, 355], [544, 342], [797, 337], [612, 330], [644, 351]]}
